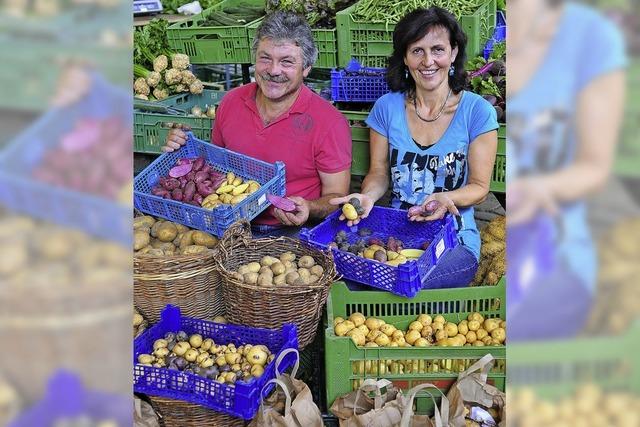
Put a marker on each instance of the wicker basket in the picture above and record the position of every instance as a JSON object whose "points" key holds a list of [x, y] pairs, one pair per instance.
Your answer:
{"points": [[271, 307], [176, 413], [190, 282]]}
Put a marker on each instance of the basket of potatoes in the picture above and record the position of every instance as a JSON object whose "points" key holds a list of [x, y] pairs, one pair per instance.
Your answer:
{"points": [[272, 281], [173, 264]]}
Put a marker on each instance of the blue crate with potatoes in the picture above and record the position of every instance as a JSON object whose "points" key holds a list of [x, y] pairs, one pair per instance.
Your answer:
{"points": [[406, 279], [270, 176], [240, 399]]}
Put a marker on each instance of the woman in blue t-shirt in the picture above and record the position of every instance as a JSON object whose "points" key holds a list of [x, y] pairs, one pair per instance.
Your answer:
{"points": [[430, 138]]}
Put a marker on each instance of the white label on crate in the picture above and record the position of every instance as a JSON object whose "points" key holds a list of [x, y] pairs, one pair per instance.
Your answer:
{"points": [[262, 199], [143, 8], [439, 248]]}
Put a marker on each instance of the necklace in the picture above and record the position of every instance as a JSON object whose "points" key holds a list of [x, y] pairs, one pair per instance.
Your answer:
{"points": [[415, 105]]}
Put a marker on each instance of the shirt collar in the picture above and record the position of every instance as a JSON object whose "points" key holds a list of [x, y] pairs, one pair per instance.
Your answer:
{"points": [[300, 105]]}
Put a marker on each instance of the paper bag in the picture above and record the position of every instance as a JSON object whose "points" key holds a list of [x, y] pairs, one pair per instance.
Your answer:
{"points": [[358, 409], [471, 389], [440, 418], [143, 414], [291, 403]]}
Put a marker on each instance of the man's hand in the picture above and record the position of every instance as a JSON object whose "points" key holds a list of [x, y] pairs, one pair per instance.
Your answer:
{"points": [[366, 203], [445, 205], [297, 218], [176, 137]]}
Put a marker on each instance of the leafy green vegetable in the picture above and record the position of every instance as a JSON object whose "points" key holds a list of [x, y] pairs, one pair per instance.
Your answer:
{"points": [[150, 41], [319, 13], [499, 51], [501, 5], [485, 87]]}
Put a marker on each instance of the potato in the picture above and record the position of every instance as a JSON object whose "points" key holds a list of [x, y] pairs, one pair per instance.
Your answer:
{"points": [[181, 228], [306, 262], [165, 246], [178, 239], [169, 252], [317, 270], [292, 277], [287, 256], [254, 267], [265, 279], [167, 231], [251, 278], [140, 240], [143, 221], [187, 239], [304, 273], [280, 279], [155, 252], [266, 270], [144, 250], [204, 239], [278, 268], [290, 266], [237, 276], [156, 226], [193, 249], [237, 199], [268, 260], [244, 269], [312, 279]]}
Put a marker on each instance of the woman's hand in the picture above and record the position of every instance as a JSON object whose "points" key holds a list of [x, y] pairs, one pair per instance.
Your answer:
{"points": [[445, 204], [176, 137], [527, 197], [366, 202]]}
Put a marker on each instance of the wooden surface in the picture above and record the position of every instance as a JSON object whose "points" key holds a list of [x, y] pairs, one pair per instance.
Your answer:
{"points": [[145, 19]]}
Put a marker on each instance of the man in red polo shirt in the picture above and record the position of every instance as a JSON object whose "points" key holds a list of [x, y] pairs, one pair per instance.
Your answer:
{"points": [[279, 118]]}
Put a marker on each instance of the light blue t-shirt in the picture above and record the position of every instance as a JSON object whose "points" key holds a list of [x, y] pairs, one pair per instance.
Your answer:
{"points": [[443, 166], [541, 136]]}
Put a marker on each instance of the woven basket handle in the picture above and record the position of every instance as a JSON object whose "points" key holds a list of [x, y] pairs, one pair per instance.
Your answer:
{"points": [[441, 415], [287, 395], [280, 358], [238, 232]]}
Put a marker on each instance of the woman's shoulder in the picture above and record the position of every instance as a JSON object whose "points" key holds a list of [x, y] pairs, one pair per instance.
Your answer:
{"points": [[472, 101], [391, 98]]}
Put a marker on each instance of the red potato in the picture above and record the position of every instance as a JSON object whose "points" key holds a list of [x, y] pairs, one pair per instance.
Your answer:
{"points": [[200, 176], [198, 199], [183, 161], [183, 181], [159, 191], [282, 203], [189, 191], [171, 184], [204, 188], [176, 194], [181, 170], [206, 168], [198, 164]]}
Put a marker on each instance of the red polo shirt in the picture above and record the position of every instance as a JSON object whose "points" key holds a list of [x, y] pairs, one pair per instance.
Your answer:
{"points": [[312, 136]]}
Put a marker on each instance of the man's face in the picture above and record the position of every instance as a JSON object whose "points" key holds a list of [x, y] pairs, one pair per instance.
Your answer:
{"points": [[279, 71]]}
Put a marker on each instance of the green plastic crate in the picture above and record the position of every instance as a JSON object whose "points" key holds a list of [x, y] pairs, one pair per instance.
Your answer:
{"points": [[325, 39], [213, 45], [346, 365], [360, 141], [371, 44], [556, 368], [499, 177], [628, 150], [148, 133]]}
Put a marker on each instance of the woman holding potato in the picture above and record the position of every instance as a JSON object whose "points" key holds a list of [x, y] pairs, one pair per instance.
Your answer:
{"points": [[430, 138]]}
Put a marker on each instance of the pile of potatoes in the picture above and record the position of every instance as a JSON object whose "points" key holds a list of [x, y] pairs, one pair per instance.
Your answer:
{"points": [[160, 238], [226, 364], [391, 252], [287, 269], [588, 406], [231, 191], [425, 331], [493, 253]]}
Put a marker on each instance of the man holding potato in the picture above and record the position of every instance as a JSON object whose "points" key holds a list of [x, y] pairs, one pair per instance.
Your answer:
{"points": [[279, 118]]}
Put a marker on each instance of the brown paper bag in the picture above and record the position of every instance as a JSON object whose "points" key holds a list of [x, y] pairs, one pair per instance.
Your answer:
{"points": [[290, 405], [471, 388], [358, 409], [440, 418]]}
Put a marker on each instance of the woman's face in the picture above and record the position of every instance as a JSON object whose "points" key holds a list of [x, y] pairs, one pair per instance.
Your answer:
{"points": [[429, 58]]}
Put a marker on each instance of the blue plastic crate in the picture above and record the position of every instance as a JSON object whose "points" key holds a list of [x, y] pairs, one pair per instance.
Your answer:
{"points": [[358, 84], [270, 176], [406, 279], [67, 398], [241, 399], [22, 194], [499, 35]]}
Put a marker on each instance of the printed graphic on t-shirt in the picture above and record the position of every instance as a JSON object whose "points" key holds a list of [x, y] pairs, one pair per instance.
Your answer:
{"points": [[416, 176]]}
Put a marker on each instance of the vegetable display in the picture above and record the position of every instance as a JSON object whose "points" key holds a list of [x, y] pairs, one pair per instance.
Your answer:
{"points": [[171, 6], [195, 354], [392, 252], [160, 238], [488, 78], [71, 164], [164, 81], [493, 253], [425, 331], [390, 12], [139, 323], [239, 14], [319, 13], [281, 270]]}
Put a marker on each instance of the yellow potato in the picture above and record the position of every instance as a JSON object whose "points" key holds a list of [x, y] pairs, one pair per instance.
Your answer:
{"points": [[237, 199], [240, 189], [237, 181], [349, 211], [225, 189], [230, 177]]}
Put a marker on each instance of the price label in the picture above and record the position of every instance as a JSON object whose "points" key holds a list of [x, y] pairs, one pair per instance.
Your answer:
{"points": [[262, 199], [439, 248]]}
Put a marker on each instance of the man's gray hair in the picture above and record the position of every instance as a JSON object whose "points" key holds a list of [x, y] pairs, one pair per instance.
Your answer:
{"points": [[280, 26]]}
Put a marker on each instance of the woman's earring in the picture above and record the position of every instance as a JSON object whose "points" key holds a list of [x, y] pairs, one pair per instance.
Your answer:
{"points": [[452, 70], [406, 73]]}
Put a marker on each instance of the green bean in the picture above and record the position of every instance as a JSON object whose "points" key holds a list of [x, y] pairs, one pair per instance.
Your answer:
{"points": [[390, 12]]}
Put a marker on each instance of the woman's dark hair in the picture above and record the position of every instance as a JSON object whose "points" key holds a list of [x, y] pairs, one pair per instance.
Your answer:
{"points": [[414, 26]]}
